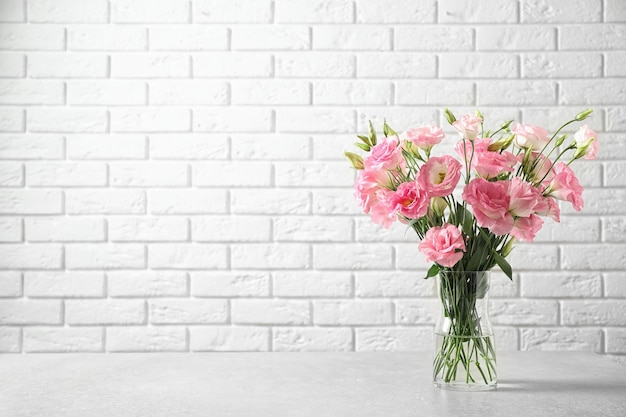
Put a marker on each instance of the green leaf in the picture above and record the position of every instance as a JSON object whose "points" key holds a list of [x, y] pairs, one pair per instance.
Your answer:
{"points": [[366, 148], [373, 139], [355, 160], [365, 139], [434, 270], [465, 219], [503, 264], [387, 130]]}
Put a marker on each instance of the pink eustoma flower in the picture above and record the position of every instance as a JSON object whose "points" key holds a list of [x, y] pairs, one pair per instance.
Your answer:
{"points": [[486, 163], [468, 126], [444, 245], [424, 137], [490, 204], [410, 200], [439, 175], [529, 136], [565, 186], [582, 135], [526, 228], [367, 184], [385, 155], [524, 198]]}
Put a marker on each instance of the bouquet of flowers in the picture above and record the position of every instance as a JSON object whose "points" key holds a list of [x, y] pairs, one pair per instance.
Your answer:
{"points": [[511, 179]]}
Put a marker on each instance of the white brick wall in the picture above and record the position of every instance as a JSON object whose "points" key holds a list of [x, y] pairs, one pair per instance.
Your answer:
{"points": [[172, 176]]}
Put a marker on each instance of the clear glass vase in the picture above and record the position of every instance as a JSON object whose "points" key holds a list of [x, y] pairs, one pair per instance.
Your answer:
{"points": [[464, 354]]}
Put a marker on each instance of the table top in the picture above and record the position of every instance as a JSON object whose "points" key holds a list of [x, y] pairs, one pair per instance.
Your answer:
{"points": [[301, 385]]}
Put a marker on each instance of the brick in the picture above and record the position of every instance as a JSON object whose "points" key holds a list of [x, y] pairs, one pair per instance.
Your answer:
{"points": [[107, 38], [615, 340], [314, 65], [352, 92], [115, 93], [152, 65], [270, 256], [352, 312], [596, 313], [598, 257], [105, 312], [339, 201], [270, 201], [313, 11], [105, 147], [422, 312], [149, 174], [596, 37], [516, 38], [368, 231], [400, 11], [67, 11], [150, 119], [614, 229], [434, 38], [188, 38], [147, 284], [352, 37], [279, 92], [11, 174], [187, 201], [615, 11], [10, 229], [600, 201], [305, 120], [313, 174], [312, 229], [519, 312], [187, 311], [312, 284], [315, 339], [589, 173], [188, 146], [191, 92], [232, 119], [271, 147], [28, 312], [65, 174], [561, 285], [234, 11], [397, 65], [561, 339], [63, 284], [534, 257], [561, 64], [330, 147], [355, 256], [527, 93], [275, 312], [12, 64], [229, 339], [105, 201], [435, 92], [12, 120], [10, 284], [599, 92], [32, 37], [31, 92], [614, 63], [394, 339], [12, 11], [479, 65], [146, 339], [187, 256], [568, 230], [231, 229], [149, 229], [562, 11], [59, 120], [67, 65], [615, 120], [10, 337], [230, 284], [397, 117], [64, 229], [28, 201], [551, 118], [613, 147], [270, 37], [232, 174], [140, 11], [233, 64], [393, 284], [105, 256], [409, 257], [64, 339], [466, 11]]}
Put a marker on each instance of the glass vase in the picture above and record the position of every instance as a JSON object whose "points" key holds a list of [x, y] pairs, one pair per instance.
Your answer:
{"points": [[464, 354]]}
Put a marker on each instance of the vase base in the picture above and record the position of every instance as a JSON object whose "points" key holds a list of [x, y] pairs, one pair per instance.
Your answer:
{"points": [[459, 386]]}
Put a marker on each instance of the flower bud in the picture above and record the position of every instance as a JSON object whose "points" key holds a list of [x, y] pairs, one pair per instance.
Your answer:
{"points": [[560, 140], [438, 205], [583, 148], [479, 114], [583, 115], [507, 248], [355, 160], [506, 124], [501, 143], [449, 116]]}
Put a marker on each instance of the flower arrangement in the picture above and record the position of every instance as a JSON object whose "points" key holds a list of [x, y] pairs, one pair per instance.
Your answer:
{"points": [[512, 179]]}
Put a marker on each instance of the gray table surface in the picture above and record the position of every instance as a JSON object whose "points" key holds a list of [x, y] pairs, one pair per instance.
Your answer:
{"points": [[301, 384]]}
